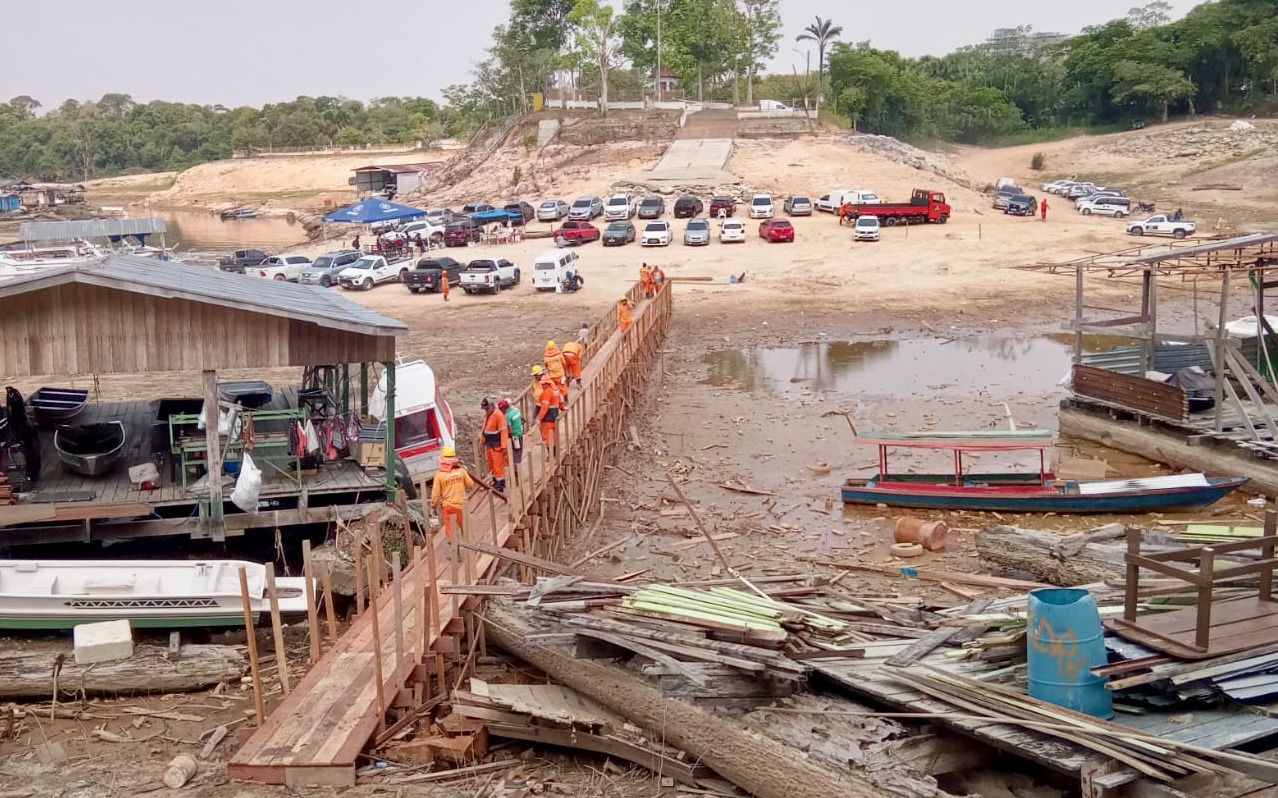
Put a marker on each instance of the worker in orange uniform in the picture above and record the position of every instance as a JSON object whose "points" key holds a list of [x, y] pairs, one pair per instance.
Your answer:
{"points": [[624, 319], [556, 368], [448, 492], [658, 279], [548, 407], [443, 283], [846, 211], [645, 280], [496, 439], [573, 353], [1042, 208]]}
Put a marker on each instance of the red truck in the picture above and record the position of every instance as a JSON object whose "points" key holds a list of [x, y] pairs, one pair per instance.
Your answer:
{"points": [[925, 205]]}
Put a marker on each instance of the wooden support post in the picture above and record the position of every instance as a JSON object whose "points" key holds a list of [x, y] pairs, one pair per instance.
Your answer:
{"points": [[397, 598], [1206, 565], [312, 611], [213, 455], [1220, 351], [436, 619], [277, 629], [1266, 576], [359, 576], [377, 556], [330, 612], [419, 607], [492, 515], [1131, 597], [373, 607], [392, 480], [363, 389], [259, 700]]}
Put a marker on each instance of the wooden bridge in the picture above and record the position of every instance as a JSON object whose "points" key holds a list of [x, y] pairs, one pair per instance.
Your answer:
{"points": [[390, 658]]}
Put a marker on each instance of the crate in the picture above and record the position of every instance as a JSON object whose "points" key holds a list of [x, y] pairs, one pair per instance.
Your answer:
{"points": [[370, 454]]}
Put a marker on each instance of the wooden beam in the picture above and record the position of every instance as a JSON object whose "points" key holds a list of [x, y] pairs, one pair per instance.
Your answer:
{"points": [[213, 442]]}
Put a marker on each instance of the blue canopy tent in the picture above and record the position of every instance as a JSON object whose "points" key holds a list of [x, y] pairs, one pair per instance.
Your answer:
{"points": [[484, 217], [372, 211]]}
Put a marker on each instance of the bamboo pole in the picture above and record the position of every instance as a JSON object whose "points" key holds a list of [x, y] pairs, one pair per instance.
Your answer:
{"points": [[277, 630], [312, 611], [259, 701]]}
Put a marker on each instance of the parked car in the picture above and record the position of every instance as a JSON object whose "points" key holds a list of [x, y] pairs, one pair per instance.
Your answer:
{"points": [[240, 258], [472, 208], [1162, 225], [280, 267], [463, 232], [430, 274], [1021, 205], [798, 206], [1118, 207], [732, 231], [687, 207], [324, 269], [831, 202], [722, 206], [489, 275], [619, 233], [1101, 194], [651, 207], [866, 229], [584, 209], [1057, 186], [761, 206], [619, 206], [774, 230], [1004, 194], [371, 270], [441, 216], [428, 230], [552, 210], [523, 209], [697, 233], [1081, 190], [575, 232], [656, 234]]}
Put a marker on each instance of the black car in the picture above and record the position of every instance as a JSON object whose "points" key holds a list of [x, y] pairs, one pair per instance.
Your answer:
{"points": [[619, 234], [1021, 205], [524, 209], [688, 207], [651, 207], [426, 277], [237, 260]]}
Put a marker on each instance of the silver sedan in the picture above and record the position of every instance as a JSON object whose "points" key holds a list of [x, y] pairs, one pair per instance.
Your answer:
{"points": [[697, 233]]}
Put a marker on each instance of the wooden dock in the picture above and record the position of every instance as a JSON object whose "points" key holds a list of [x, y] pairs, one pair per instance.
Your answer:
{"points": [[393, 658]]}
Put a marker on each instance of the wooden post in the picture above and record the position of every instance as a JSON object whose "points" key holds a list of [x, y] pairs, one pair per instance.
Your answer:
{"points": [[436, 619], [259, 701], [330, 612], [1131, 597], [363, 389], [1206, 566], [1266, 575], [312, 611], [1221, 371], [419, 608], [377, 557], [397, 599], [277, 629], [377, 653], [392, 483], [359, 576], [213, 455], [492, 514]]}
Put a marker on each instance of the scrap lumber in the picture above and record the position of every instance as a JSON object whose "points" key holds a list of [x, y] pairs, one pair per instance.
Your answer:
{"points": [[933, 575], [149, 670], [1095, 556], [761, 766]]}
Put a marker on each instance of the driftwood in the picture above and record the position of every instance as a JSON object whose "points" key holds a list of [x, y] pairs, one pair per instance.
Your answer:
{"points": [[31, 675], [1065, 560]]}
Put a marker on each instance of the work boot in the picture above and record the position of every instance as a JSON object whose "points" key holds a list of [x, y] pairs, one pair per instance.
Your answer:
{"points": [[500, 485]]}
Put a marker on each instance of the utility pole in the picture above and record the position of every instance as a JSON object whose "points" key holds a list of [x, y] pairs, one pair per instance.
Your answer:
{"points": [[656, 80]]}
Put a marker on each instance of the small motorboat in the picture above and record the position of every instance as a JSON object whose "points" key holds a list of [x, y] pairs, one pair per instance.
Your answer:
{"points": [[53, 406], [237, 213], [90, 449]]}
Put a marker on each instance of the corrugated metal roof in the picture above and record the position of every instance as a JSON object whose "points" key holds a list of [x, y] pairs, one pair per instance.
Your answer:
{"points": [[401, 168], [89, 228], [1241, 242], [174, 280]]}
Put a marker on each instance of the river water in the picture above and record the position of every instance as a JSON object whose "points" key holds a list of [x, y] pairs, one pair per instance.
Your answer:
{"points": [[204, 231]]}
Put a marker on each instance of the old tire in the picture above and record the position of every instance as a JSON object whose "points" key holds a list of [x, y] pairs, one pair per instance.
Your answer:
{"points": [[1087, 211], [1137, 231], [942, 219], [1178, 234], [325, 282], [1119, 214], [907, 550], [279, 278], [367, 285]]}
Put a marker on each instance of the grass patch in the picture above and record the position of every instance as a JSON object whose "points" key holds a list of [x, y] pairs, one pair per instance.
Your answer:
{"points": [[1044, 134], [828, 117], [1232, 159]]}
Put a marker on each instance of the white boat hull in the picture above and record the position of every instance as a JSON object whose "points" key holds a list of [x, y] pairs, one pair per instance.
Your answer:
{"points": [[59, 594]]}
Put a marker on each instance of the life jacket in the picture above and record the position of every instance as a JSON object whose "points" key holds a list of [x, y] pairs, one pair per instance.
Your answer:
{"points": [[494, 426]]}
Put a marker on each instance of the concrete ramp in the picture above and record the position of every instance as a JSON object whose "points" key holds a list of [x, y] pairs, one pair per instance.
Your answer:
{"points": [[700, 152], [691, 157]]}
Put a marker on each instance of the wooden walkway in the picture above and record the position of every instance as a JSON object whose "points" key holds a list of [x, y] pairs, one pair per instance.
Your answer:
{"points": [[317, 731]]}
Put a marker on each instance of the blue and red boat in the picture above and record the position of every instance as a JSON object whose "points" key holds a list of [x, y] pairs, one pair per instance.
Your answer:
{"points": [[1039, 492]]}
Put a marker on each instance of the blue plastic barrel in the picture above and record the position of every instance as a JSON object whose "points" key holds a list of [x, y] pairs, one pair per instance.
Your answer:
{"points": [[1065, 641]]}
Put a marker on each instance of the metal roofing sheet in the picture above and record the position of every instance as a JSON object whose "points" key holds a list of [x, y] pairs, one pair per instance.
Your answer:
{"points": [[1241, 242], [89, 228], [322, 306]]}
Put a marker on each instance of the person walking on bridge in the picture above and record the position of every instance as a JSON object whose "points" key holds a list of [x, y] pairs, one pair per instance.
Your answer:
{"points": [[624, 319], [496, 439], [556, 368], [658, 279], [645, 280], [448, 491], [548, 407], [573, 353], [515, 422]]}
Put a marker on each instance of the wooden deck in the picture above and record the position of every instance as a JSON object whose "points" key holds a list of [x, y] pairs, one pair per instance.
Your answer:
{"points": [[316, 732]]}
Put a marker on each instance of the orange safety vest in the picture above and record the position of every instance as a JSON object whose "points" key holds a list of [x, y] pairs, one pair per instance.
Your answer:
{"points": [[496, 431], [450, 485]]}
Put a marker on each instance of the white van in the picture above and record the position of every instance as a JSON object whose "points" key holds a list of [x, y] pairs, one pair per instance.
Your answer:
{"points": [[550, 269], [1105, 205], [831, 202], [773, 105]]}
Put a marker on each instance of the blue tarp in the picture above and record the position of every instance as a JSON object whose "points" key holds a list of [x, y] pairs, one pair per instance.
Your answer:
{"points": [[495, 216], [374, 210]]}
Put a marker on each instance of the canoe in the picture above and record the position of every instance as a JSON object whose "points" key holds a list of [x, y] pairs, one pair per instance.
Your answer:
{"points": [[938, 491], [59, 594], [90, 449], [57, 405]]}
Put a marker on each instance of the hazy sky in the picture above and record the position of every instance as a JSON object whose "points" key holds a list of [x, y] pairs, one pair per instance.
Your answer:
{"points": [[238, 52]]}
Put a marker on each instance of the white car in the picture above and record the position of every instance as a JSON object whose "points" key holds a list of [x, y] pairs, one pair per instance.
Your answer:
{"points": [[866, 229], [1162, 225], [280, 267], [1106, 205], [732, 231], [656, 234], [1057, 186], [428, 230], [761, 206], [618, 208], [370, 270]]}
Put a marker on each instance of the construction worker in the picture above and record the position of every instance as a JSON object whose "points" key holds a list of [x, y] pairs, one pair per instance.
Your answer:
{"points": [[658, 279], [496, 438], [574, 351], [556, 368], [846, 211], [548, 407], [645, 280], [443, 283], [515, 422], [624, 319], [537, 373], [448, 492], [583, 334], [1042, 208]]}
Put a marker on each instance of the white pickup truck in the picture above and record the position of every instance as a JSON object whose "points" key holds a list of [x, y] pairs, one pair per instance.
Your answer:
{"points": [[489, 275], [370, 270], [1162, 225]]}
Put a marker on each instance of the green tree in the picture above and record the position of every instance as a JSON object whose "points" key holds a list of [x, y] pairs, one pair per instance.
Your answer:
{"points": [[25, 106], [1151, 15], [824, 32], [762, 21], [597, 39], [1148, 86]]}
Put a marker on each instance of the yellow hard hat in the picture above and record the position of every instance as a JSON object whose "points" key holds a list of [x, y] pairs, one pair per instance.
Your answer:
{"points": [[623, 298], [450, 451], [536, 370], [551, 345]]}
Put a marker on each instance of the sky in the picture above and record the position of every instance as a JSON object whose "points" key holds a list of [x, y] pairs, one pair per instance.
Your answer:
{"points": [[249, 52]]}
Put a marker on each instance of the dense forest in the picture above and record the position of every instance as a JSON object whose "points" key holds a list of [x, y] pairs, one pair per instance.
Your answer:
{"points": [[1221, 57]]}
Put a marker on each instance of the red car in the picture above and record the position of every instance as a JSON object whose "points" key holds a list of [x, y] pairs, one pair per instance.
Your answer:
{"points": [[723, 204], [571, 232], [777, 230]]}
